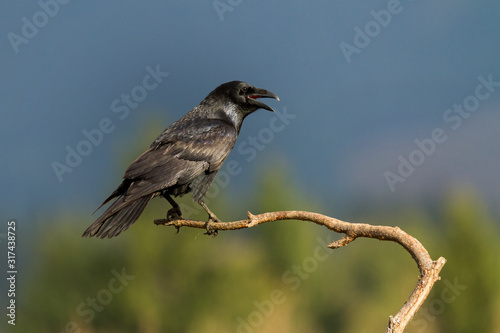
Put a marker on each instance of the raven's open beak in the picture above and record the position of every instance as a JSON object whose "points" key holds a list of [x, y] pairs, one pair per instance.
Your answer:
{"points": [[262, 93]]}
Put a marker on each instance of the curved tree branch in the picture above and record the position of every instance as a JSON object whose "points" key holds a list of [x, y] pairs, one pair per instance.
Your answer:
{"points": [[429, 269]]}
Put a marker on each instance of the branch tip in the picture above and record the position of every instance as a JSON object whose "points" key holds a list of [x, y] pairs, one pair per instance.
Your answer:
{"points": [[160, 222], [341, 242]]}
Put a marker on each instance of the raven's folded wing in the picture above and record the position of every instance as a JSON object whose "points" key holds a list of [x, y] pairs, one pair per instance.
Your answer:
{"points": [[181, 155]]}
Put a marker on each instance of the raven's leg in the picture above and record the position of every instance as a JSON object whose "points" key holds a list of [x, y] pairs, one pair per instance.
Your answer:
{"points": [[212, 218], [174, 213], [211, 215]]}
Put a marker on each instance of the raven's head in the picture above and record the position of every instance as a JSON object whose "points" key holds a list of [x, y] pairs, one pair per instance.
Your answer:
{"points": [[247, 96], [242, 95], [236, 100]]}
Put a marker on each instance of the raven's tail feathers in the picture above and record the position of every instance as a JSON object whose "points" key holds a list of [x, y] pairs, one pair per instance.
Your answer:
{"points": [[118, 192], [112, 223]]}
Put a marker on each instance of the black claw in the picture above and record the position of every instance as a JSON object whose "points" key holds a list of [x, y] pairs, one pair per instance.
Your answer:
{"points": [[212, 233]]}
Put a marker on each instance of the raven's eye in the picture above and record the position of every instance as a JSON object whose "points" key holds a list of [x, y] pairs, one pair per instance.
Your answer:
{"points": [[244, 90]]}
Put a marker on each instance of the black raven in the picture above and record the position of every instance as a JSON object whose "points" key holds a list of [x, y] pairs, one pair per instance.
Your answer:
{"points": [[184, 158]]}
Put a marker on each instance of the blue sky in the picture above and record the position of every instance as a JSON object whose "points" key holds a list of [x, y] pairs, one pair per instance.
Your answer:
{"points": [[354, 115]]}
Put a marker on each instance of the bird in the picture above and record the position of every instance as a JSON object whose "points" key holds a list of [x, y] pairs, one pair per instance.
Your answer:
{"points": [[183, 159]]}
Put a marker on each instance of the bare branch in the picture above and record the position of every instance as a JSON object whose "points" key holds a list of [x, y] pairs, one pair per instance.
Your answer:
{"points": [[429, 269]]}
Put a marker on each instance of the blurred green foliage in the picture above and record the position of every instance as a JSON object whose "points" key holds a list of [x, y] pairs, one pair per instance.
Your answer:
{"points": [[277, 277]]}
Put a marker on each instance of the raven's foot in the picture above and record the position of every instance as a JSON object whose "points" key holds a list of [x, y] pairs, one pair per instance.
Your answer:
{"points": [[174, 214], [211, 220]]}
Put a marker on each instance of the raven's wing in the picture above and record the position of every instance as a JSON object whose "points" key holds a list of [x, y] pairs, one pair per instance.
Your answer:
{"points": [[181, 154], [185, 151]]}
